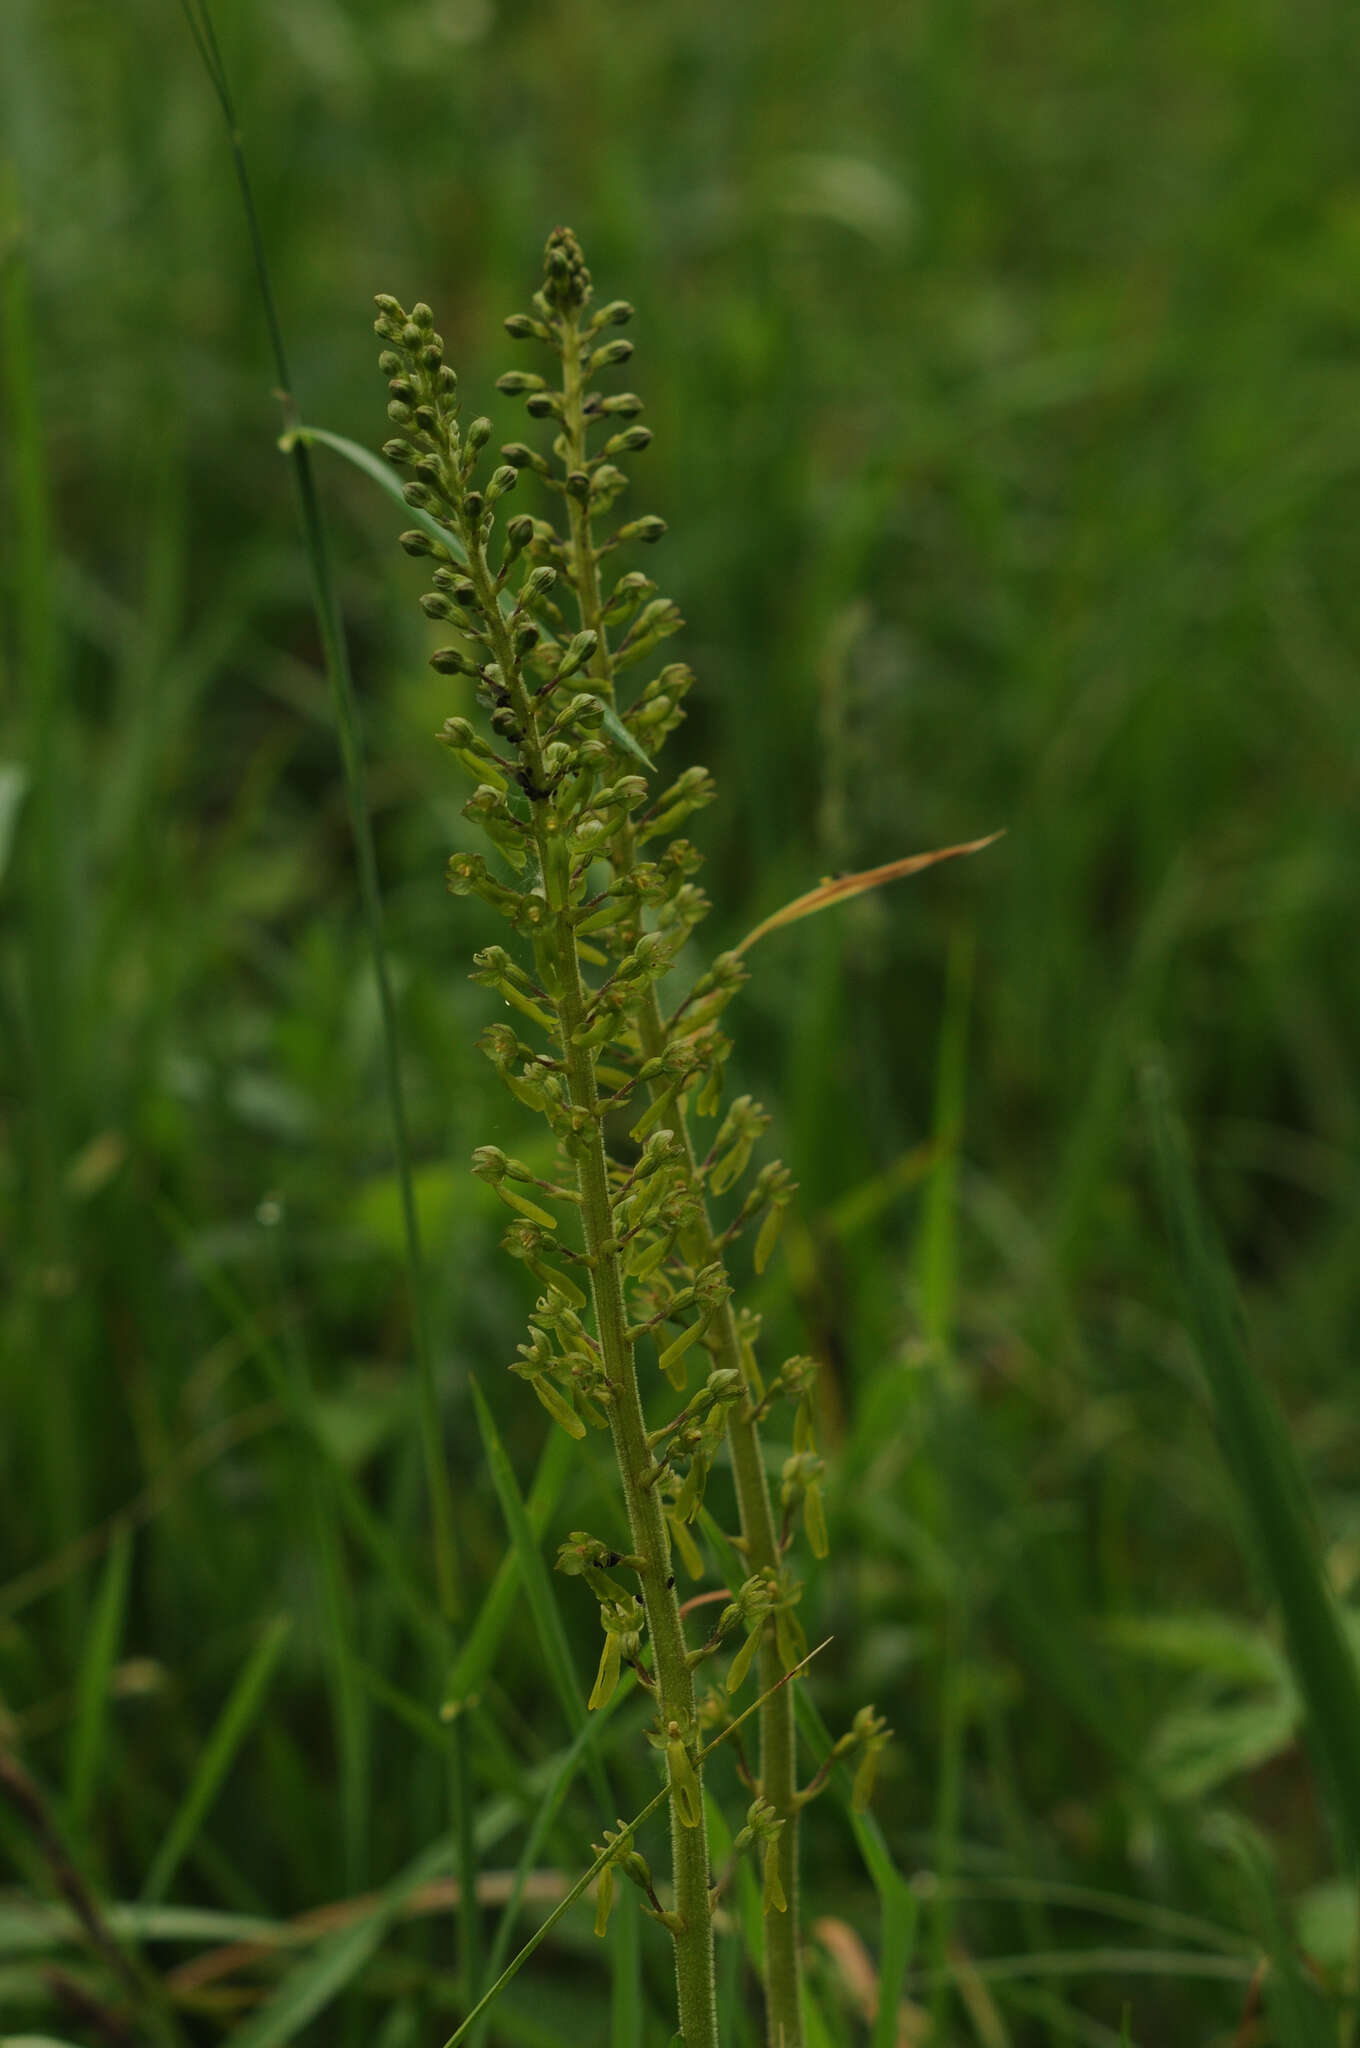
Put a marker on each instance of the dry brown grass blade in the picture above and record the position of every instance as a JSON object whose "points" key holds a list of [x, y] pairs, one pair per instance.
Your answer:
{"points": [[493, 1889], [858, 1974], [838, 888]]}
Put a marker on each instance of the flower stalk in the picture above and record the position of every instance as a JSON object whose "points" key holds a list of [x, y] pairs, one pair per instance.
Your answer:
{"points": [[598, 888]]}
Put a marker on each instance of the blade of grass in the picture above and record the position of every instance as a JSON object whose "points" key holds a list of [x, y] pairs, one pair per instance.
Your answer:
{"points": [[1104, 1962], [626, 2026], [102, 1644], [462, 1804], [349, 1709], [1261, 1458], [535, 1941], [478, 1649], [335, 650], [840, 888], [939, 1251], [197, 1454], [45, 868], [898, 1904], [552, 1634], [547, 1811], [298, 1402], [233, 1724], [312, 1984], [364, 459], [381, 474]]}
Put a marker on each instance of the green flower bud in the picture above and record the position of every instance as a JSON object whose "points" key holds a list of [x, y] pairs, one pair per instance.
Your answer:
{"points": [[415, 542], [612, 352], [520, 327], [616, 314], [521, 457], [624, 405], [685, 1795], [436, 606], [489, 1163], [544, 405], [422, 319], [604, 1897], [631, 441], [566, 281], [578, 653], [772, 1896], [451, 661], [741, 1663], [516, 382], [478, 434], [649, 529]]}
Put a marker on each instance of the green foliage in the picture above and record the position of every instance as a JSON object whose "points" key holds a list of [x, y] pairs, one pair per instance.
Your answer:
{"points": [[1000, 365]]}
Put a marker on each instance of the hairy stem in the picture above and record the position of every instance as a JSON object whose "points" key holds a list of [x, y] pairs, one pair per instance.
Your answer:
{"points": [[778, 1752], [693, 1937], [778, 1760]]}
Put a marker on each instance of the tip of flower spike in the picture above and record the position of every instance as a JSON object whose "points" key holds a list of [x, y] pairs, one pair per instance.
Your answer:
{"points": [[566, 281]]}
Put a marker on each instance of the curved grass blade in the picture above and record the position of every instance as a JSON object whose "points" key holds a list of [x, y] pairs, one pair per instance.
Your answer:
{"points": [[233, 1724], [548, 1809], [335, 649], [477, 1651], [381, 473], [898, 1905], [92, 1684], [312, 1984], [373, 466], [535, 1941], [295, 1396], [538, 1587], [840, 888], [1261, 1458]]}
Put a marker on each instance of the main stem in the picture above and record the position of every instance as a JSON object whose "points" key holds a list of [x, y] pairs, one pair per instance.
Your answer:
{"points": [[778, 1745], [778, 1748], [693, 1937]]}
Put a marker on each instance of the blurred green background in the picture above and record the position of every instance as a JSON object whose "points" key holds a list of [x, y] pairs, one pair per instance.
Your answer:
{"points": [[1003, 369]]}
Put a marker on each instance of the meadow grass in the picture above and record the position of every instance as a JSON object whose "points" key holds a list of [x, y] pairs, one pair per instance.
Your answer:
{"points": [[1001, 371]]}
